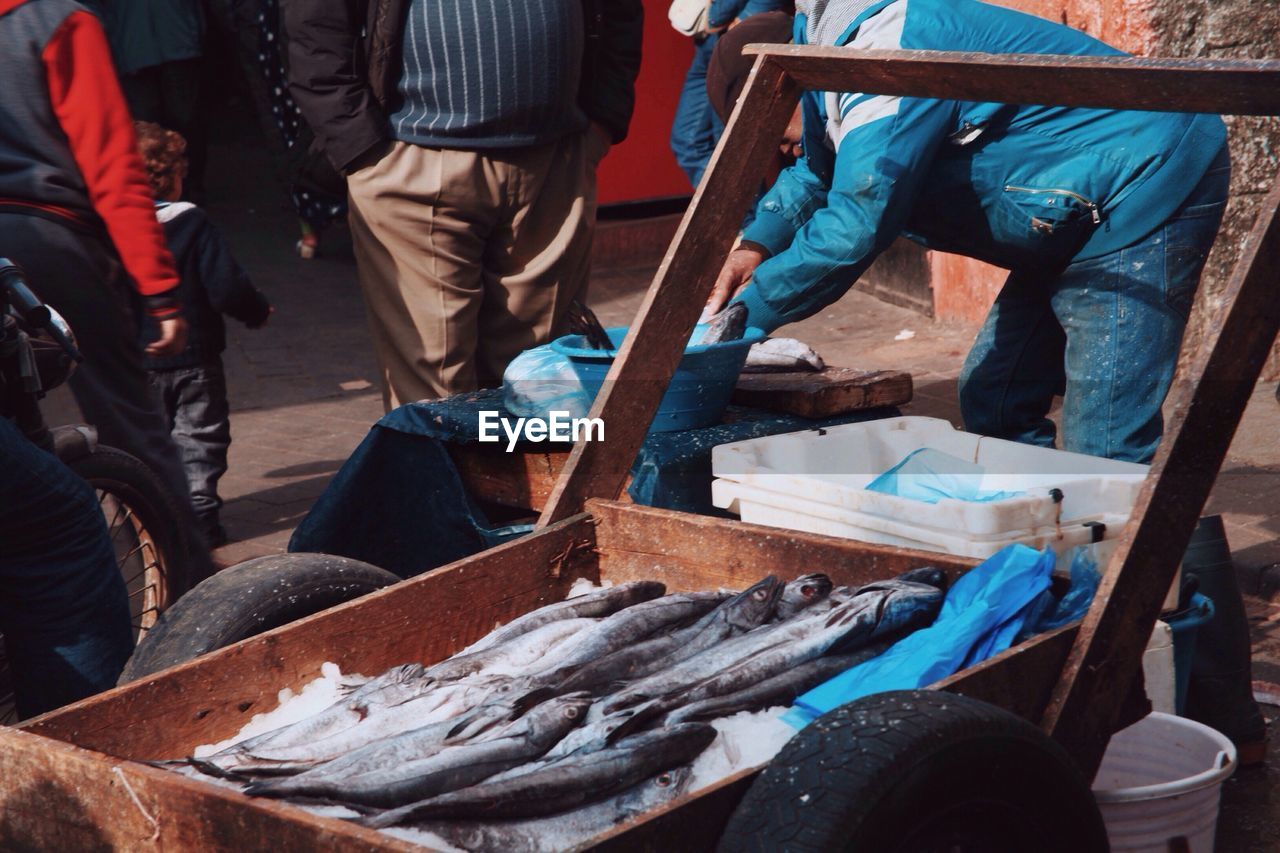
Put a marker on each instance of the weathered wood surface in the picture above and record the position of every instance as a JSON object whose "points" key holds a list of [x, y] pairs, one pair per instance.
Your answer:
{"points": [[55, 796], [834, 391], [423, 619], [1224, 86], [521, 480], [1208, 404], [697, 552], [649, 355]]}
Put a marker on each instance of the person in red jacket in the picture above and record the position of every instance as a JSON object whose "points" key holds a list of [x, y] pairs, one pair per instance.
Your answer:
{"points": [[76, 213]]}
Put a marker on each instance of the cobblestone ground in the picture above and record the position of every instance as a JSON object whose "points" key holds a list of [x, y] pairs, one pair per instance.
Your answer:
{"points": [[303, 393]]}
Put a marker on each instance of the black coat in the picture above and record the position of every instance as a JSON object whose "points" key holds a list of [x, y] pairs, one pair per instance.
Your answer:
{"points": [[345, 86], [212, 284]]}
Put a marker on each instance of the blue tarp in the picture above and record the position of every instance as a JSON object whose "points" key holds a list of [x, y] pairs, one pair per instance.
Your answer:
{"points": [[983, 612], [399, 503]]}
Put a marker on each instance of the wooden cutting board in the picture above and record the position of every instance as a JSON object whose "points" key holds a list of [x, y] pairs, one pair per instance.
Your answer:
{"points": [[834, 391]]}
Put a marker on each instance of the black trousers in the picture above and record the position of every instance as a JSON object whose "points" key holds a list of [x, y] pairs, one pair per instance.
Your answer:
{"points": [[79, 275]]}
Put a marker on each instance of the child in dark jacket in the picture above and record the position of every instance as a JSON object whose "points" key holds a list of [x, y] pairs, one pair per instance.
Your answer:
{"points": [[191, 386]]}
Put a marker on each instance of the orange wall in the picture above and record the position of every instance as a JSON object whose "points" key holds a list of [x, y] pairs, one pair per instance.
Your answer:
{"points": [[643, 166]]}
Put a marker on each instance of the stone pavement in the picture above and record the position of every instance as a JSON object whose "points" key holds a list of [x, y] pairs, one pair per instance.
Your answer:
{"points": [[303, 392]]}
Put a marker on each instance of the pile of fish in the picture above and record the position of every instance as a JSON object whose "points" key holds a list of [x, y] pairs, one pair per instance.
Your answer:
{"points": [[577, 715]]}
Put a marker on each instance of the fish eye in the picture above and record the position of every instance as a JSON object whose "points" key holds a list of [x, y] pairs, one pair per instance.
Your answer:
{"points": [[807, 590], [571, 713], [664, 780]]}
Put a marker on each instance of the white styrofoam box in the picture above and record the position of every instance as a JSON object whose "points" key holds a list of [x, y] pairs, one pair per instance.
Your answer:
{"points": [[776, 509], [834, 465], [1157, 669]]}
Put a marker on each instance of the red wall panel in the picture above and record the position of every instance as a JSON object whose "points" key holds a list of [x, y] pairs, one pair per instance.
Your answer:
{"points": [[642, 167]]}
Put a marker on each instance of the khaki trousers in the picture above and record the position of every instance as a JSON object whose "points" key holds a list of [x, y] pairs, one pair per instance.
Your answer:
{"points": [[467, 258]]}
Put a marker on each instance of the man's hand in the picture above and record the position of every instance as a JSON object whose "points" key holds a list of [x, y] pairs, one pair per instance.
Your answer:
{"points": [[734, 275], [173, 337]]}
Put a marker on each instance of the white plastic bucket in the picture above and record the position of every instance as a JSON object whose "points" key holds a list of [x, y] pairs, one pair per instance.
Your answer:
{"points": [[1160, 781]]}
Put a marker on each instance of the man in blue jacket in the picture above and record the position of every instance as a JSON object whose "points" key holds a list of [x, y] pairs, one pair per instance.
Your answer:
{"points": [[1104, 219]]}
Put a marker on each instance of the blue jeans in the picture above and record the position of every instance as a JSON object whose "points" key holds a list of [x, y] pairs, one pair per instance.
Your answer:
{"points": [[64, 611], [696, 128], [1104, 333]]}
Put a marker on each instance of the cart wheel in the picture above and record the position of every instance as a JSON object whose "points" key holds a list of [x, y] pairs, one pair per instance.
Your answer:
{"points": [[244, 600], [917, 771]]}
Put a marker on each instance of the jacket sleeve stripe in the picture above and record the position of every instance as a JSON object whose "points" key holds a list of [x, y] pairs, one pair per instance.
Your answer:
{"points": [[91, 110]]}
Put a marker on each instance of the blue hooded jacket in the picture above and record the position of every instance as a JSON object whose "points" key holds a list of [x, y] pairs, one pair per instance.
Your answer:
{"points": [[1015, 186]]}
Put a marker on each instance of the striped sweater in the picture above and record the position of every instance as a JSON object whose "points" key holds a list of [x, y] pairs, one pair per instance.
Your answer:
{"points": [[481, 74]]}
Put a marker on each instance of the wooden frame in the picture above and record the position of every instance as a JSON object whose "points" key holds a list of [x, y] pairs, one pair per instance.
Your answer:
{"points": [[72, 779], [1209, 401]]}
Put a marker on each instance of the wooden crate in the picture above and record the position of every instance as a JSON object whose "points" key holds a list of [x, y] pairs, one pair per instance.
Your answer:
{"points": [[72, 778]]}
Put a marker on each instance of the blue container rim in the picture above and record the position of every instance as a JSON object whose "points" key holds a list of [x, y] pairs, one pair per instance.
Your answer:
{"points": [[573, 346]]}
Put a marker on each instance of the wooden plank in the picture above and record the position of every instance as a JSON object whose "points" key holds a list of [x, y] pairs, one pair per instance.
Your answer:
{"points": [[1209, 402], [834, 391], [424, 619], [55, 796], [1224, 86], [689, 552], [520, 480], [655, 344]]}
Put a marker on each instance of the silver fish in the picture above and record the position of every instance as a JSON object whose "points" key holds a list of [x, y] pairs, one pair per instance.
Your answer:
{"points": [[449, 769], [729, 325], [394, 687], [799, 593], [782, 355], [737, 615], [594, 736], [601, 602], [441, 706], [886, 608], [780, 689], [564, 784], [629, 626], [512, 655], [487, 720], [569, 830], [876, 609]]}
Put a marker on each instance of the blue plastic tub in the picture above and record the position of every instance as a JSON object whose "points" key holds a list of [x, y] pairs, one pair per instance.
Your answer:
{"points": [[699, 390], [1185, 624]]}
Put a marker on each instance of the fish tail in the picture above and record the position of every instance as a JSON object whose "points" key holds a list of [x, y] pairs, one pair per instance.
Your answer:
{"points": [[211, 769]]}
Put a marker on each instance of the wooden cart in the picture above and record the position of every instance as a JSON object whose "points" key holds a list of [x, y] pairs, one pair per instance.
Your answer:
{"points": [[72, 778]]}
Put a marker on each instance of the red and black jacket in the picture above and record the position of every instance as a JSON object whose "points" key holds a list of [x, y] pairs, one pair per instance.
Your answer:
{"points": [[67, 147]]}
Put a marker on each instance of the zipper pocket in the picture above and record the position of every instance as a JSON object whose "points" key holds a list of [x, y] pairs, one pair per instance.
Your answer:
{"points": [[1093, 208]]}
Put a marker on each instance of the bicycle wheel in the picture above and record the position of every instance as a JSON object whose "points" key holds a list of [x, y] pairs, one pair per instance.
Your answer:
{"points": [[146, 532]]}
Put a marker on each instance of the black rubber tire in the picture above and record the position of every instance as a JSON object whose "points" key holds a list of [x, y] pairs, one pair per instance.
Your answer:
{"points": [[247, 599], [917, 771], [141, 489]]}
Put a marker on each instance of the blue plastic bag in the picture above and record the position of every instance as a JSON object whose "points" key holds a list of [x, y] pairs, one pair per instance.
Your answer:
{"points": [[930, 475], [980, 617], [1048, 612], [540, 381]]}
